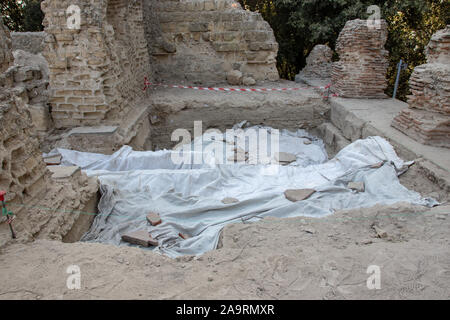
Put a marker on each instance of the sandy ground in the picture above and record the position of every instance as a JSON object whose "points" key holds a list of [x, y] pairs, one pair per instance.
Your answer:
{"points": [[300, 258]]}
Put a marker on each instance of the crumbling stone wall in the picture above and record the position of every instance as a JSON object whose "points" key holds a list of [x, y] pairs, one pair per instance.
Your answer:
{"points": [[43, 207], [318, 63], [27, 71], [428, 117], [33, 81], [362, 66], [22, 169], [96, 71], [200, 41]]}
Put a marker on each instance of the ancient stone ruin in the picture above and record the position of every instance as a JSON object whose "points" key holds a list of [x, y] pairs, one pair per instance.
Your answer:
{"points": [[361, 69], [201, 41], [328, 164], [428, 117], [23, 172], [318, 63], [96, 71]]}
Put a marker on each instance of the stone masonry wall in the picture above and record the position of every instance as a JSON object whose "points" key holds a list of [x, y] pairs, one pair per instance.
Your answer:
{"points": [[200, 41], [42, 207], [96, 71], [428, 117], [22, 170], [362, 66]]}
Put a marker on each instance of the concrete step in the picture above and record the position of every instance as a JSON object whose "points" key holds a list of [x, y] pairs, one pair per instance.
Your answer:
{"points": [[359, 119]]}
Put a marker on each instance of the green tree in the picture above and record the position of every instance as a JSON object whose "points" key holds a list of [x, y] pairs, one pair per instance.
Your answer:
{"points": [[301, 24], [12, 14], [22, 15], [33, 15]]}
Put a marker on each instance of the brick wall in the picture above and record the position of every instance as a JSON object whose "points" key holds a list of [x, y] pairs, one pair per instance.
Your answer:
{"points": [[97, 71], [362, 66], [428, 117]]}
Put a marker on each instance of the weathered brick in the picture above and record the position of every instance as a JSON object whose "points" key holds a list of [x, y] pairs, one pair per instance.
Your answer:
{"points": [[140, 237], [154, 219]]}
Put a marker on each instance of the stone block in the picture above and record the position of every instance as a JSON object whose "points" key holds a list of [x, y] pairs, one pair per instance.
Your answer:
{"points": [[234, 77], [154, 219], [53, 160], [248, 81], [199, 27], [63, 172], [356, 186], [285, 157], [40, 117], [140, 238], [102, 130], [295, 195]]}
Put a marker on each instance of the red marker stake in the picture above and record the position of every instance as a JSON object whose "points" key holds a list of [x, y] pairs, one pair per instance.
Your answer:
{"points": [[10, 219]]}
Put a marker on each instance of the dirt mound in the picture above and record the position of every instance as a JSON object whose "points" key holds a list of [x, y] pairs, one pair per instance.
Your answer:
{"points": [[273, 259]]}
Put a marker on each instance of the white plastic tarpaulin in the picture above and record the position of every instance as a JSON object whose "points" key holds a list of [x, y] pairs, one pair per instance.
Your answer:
{"points": [[188, 197]]}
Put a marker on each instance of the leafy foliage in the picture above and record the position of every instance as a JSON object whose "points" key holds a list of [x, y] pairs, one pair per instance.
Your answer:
{"points": [[22, 15], [301, 24], [33, 16]]}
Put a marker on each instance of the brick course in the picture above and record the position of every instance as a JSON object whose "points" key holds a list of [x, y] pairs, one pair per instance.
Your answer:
{"points": [[428, 117], [362, 66]]}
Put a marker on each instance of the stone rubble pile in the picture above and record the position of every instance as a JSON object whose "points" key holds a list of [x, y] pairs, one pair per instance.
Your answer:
{"points": [[318, 64]]}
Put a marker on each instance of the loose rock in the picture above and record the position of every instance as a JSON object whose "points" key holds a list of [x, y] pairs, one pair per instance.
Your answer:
{"points": [[248, 81], [295, 195], [230, 200], [285, 157], [53, 161], [357, 186], [380, 232], [154, 219], [140, 237], [234, 77]]}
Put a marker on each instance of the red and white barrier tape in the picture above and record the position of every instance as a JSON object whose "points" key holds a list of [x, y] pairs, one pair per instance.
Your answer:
{"points": [[148, 84]]}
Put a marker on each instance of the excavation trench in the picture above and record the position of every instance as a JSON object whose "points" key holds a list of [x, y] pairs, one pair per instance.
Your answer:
{"points": [[190, 197]]}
